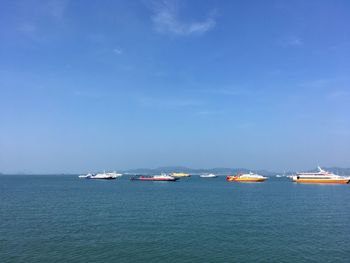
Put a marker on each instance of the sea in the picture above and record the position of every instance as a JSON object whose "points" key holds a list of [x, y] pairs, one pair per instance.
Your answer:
{"points": [[61, 218]]}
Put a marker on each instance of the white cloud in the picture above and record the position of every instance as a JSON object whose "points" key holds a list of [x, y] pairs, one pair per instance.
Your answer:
{"points": [[166, 20]]}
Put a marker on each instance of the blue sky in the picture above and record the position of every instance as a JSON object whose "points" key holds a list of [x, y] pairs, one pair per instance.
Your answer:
{"points": [[93, 85]]}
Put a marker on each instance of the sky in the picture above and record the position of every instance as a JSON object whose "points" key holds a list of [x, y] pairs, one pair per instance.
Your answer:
{"points": [[114, 85]]}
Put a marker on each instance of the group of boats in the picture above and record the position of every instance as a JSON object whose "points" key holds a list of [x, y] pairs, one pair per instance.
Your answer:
{"points": [[171, 177], [115, 175], [319, 177]]}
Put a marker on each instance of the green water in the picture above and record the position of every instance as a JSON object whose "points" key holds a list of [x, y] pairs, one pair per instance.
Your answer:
{"points": [[64, 219]]}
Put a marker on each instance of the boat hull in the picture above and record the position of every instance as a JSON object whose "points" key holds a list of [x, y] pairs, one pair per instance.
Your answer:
{"points": [[244, 180], [96, 178], [109, 178], [180, 175], [154, 179], [322, 181]]}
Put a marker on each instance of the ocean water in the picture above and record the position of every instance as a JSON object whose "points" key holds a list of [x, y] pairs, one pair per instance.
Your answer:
{"points": [[66, 219]]}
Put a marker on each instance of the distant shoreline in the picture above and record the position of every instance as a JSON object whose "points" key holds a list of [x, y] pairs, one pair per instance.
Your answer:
{"points": [[217, 171]]}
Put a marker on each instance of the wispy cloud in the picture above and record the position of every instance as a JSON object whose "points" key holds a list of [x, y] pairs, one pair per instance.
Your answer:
{"points": [[117, 51], [56, 8], [340, 46], [89, 94], [292, 41], [167, 103], [27, 28], [331, 88], [166, 20], [208, 113], [318, 83], [330, 83], [38, 19], [339, 94], [231, 91]]}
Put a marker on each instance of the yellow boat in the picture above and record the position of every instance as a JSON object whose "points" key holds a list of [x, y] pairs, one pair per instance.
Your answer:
{"points": [[180, 175], [246, 178], [322, 181], [320, 177]]}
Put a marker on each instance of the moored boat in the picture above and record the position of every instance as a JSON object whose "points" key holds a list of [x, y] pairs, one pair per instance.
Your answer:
{"points": [[159, 178], [180, 175], [103, 176], [320, 177], [208, 176], [249, 177]]}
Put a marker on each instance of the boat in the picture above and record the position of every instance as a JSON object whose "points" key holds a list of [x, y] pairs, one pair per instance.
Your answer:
{"points": [[85, 176], [208, 176], [320, 177], [159, 178], [247, 177], [104, 176], [180, 175]]}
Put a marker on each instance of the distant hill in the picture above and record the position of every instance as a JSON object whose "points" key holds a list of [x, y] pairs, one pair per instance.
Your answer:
{"points": [[217, 171]]}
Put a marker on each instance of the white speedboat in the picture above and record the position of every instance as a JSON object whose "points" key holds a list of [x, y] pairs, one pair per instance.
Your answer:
{"points": [[86, 176], [163, 177], [104, 175], [208, 176]]}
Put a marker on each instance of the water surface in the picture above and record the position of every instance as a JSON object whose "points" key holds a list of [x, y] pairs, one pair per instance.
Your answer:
{"points": [[62, 218]]}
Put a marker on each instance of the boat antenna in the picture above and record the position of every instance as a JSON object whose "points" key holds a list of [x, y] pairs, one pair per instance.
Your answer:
{"points": [[320, 169]]}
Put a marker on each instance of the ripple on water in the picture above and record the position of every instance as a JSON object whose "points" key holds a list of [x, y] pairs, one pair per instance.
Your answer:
{"points": [[55, 219]]}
